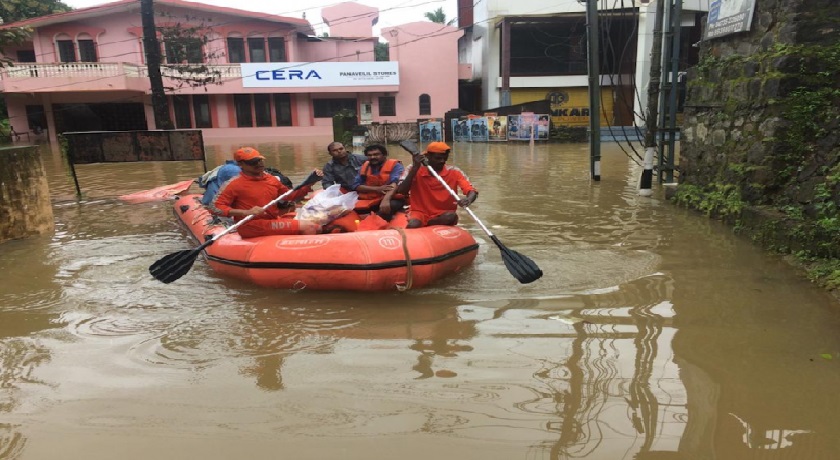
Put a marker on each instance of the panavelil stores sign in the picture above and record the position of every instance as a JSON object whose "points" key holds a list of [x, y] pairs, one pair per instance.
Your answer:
{"points": [[319, 74]]}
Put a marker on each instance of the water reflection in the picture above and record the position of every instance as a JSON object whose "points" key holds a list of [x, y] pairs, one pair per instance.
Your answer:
{"points": [[18, 360]]}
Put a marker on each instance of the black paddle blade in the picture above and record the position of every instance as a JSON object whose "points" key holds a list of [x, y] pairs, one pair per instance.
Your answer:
{"points": [[410, 146], [521, 267], [174, 266]]}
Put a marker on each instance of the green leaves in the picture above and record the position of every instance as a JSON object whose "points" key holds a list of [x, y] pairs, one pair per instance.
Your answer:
{"points": [[18, 10], [439, 17]]}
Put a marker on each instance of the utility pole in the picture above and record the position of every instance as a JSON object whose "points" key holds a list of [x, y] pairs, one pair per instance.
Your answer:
{"points": [[160, 105], [666, 151], [593, 56], [646, 182]]}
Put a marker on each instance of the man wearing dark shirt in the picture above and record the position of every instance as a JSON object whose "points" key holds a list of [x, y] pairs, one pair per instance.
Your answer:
{"points": [[343, 168]]}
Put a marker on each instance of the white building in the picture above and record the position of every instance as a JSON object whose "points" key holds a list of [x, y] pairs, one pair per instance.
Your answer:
{"points": [[522, 51]]}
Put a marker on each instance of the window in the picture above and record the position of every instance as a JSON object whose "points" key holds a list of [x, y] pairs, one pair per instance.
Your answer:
{"points": [[36, 117], [387, 106], [261, 116], [181, 105], [277, 49], [26, 55], [236, 50], [262, 109], [425, 104], [283, 109], [242, 106], [326, 108], [184, 50], [66, 51], [256, 49], [87, 51], [201, 109]]}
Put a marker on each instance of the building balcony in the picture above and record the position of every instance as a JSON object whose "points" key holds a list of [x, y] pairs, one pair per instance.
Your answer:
{"points": [[105, 76], [74, 77]]}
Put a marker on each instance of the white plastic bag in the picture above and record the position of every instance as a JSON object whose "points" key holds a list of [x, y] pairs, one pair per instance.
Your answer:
{"points": [[328, 205]]}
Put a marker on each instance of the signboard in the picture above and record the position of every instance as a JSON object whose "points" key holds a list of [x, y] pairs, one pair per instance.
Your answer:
{"points": [[729, 17], [319, 74], [570, 106]]}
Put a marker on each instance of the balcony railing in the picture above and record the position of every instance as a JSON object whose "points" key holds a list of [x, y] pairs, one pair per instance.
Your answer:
{"points": [[115, 69], [70, 69], [197, 71]]}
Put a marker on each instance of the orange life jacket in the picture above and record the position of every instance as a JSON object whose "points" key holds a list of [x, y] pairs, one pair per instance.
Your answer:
{"points": [[376, 180]]}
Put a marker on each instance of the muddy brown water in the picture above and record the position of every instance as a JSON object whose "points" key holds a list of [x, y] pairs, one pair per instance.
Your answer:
{"points": [[654, 334]]}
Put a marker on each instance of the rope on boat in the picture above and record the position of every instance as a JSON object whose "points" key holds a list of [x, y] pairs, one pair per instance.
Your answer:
{"points": [[409, 278]]}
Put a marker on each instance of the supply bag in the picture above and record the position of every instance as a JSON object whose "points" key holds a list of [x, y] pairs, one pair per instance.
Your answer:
{"points": [[328, 205]]}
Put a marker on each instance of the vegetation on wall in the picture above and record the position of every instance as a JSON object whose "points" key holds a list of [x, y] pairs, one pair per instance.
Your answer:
{"points": [[785, 158]]}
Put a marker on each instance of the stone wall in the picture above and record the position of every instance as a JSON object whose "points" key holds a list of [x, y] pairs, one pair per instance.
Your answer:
{"points": [[761, 137], [25, 208]]}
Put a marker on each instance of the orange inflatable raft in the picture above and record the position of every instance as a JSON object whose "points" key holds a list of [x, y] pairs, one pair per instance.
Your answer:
{"points": [[374, 260]]}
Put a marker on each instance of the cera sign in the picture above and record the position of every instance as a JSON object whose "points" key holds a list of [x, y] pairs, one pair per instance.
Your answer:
{"points": [[319, 74]]}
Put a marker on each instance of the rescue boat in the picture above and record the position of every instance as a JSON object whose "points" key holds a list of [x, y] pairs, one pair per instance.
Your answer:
{"points": [[370, 260]]}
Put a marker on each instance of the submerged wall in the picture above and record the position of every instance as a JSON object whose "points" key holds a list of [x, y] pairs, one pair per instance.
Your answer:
{"points": [[25, 208], [761, 138]]}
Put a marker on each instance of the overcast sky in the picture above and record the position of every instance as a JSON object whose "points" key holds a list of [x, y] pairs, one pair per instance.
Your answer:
{"points": [[391, 12]]}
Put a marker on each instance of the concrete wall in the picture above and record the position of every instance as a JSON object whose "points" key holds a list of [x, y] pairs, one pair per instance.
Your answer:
{"points": [[25, 208]]}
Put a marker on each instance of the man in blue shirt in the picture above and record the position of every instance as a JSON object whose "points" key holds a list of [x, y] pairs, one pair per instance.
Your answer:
{"points": [[213, 180], [377, 181]]}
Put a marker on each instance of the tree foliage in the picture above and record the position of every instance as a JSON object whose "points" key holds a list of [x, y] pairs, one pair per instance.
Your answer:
{"points": [[439, 17], [188, 59], [9, 37], [381, 52], [18, 10]]}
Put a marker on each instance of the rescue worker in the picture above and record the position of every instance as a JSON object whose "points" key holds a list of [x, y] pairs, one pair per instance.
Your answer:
{"points": [[247, 193], [431, 203]]}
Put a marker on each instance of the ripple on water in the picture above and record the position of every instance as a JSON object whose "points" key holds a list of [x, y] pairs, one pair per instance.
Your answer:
{"points": [[231, 332]]}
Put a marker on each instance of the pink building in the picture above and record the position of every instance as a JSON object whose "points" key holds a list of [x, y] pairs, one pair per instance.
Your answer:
{"points": [[85, 70]]}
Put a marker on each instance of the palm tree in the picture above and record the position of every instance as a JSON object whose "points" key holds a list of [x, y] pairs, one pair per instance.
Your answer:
{"points": [[439, 17]]}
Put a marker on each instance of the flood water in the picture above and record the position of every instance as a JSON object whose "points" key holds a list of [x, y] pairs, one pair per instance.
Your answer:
{"points": [[655, 333]]}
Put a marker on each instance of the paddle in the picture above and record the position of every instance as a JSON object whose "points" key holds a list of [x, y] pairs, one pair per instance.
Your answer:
{"points": [[521, 267], [177, 264]]}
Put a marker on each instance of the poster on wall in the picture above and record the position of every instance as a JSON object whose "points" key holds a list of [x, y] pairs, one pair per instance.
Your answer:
{"points": [[513, 127], [430, 130], [729, 17], [520, 127], [460, 130], [478, 129], [498, 128], [543, 127]]}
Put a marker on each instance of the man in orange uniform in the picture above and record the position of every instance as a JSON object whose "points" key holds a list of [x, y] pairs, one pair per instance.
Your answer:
{"points": [[246, 194], [431, 203], [377, 180]]}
